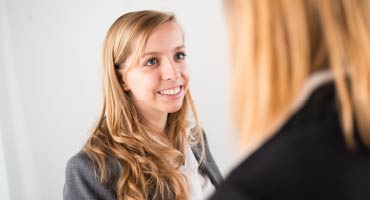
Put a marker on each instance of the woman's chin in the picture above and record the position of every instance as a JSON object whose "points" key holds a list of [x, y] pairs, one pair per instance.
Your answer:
{"points": [[173, 109]]}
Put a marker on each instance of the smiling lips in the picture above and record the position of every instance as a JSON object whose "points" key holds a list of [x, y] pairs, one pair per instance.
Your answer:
{"points": [[171, 91]]}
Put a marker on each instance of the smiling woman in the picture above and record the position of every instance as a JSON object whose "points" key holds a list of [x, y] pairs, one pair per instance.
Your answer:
{"points": [[159, 79], [144, 145]]}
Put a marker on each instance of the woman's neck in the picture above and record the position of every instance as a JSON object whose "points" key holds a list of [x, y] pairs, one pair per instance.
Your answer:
{"points": [[159, 122], [156, 119]]}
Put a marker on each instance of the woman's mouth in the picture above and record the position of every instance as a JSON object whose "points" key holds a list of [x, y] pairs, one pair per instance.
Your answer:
{"points": [[171, 93]]}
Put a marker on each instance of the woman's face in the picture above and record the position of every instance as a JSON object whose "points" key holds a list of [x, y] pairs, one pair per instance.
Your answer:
{"points": [[159, 82]]}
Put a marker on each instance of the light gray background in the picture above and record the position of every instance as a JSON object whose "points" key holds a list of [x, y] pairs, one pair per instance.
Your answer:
{"points": [[50, 83]]}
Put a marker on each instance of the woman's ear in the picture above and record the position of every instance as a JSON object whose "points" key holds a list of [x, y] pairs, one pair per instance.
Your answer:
{"points": [[120, 77], [125, 87]]}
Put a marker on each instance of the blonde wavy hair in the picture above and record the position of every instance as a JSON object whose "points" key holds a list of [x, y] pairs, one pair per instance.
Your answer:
{"points": [[276, 45], [148, 170]]}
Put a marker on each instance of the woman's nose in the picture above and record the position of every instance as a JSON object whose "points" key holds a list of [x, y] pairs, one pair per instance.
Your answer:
{"points": [[170, 71]]}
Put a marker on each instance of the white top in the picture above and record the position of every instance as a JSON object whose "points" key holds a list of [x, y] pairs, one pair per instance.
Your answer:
{"points": [[200, 186]]}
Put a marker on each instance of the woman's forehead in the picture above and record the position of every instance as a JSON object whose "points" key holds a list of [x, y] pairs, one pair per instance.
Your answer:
{"points": [[166, 37]]}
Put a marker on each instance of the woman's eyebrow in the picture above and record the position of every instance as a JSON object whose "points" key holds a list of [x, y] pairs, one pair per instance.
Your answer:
{"points": [[179, 47], [158, 52]]}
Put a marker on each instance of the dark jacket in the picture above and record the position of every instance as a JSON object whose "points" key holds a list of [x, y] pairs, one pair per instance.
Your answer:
{"points": [[81, 181], [306, 159]]}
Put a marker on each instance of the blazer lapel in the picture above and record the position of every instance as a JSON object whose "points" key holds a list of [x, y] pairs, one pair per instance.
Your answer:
{"points": [[208, 166]]}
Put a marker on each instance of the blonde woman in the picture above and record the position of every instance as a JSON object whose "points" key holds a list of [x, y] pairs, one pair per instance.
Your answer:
{"points": [[301, 71], [145, 145]]}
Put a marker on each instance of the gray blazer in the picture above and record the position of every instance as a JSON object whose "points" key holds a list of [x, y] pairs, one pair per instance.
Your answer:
{"points": [[82, 183]]}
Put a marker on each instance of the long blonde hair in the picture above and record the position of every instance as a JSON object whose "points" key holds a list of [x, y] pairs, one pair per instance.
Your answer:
{"points": [[276, 45], [121, 135]]}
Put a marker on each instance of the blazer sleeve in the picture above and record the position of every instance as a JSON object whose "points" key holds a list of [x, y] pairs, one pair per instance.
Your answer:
{"points": [[81, 181]]}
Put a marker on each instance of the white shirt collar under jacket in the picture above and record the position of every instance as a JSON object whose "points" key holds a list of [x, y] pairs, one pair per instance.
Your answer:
{"points": [[200, 186]]}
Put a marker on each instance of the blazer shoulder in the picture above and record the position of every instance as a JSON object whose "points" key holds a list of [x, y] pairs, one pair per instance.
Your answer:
{"points": [[82, 181], [78, 161], [80, 166]]}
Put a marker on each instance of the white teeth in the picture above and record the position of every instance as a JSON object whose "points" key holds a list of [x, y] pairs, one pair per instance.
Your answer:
{"points": [[170, 91]]}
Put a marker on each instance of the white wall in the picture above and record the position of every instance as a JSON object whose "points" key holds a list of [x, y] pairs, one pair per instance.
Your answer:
{"points": [[50, 82], [4, 185]]}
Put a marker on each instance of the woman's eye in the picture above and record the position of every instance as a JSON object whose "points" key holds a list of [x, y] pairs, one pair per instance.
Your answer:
{"points": [[180, 56], [151, 62]]}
